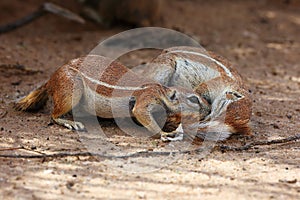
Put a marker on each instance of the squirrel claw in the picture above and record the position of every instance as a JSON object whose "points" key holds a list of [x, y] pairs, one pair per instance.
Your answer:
{"points": [[78, 126], [72, 125]]}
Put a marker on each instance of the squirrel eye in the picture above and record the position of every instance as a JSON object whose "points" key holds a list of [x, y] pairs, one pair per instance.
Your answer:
{"points": [[237, 95], [173, 96], [194, 99], [231, 95]]}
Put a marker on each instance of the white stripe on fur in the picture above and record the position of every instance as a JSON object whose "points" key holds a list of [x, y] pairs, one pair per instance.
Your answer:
{"points": [[101, 83], [205, 56]]}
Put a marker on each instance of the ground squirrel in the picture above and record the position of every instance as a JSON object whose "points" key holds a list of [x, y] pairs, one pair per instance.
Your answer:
{"points": [[214, 79], [97, 83]]}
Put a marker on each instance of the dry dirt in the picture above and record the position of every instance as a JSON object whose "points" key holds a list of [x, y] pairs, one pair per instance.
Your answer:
{"points": [[260, 37]]}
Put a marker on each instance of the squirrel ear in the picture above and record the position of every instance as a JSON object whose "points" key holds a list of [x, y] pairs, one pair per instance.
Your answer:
{"points": [[234, 95], [131, 103]]}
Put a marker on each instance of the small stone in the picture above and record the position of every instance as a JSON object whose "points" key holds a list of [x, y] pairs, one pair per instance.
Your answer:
{"points": [[289, 116], [50, 124], [276, 126], [15, 83], [70, 184], [293, 181], [258, 114]]}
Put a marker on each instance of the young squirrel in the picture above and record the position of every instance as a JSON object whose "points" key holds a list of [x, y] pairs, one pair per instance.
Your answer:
{"points": [[215, 80], [96, 83]]}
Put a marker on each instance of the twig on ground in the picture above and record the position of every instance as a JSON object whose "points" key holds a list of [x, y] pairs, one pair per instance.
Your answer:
{"points": [[42, 10], [150, 153], [3, 113], [260, 143], [11, 148], [19, 67]]}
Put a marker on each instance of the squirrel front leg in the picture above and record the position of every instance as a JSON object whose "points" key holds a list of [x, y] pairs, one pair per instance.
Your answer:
{"points": [[144, 116], [142, 112]]}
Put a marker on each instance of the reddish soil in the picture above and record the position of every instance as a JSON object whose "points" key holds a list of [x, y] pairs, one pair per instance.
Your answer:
{"points": [[261, 38]]}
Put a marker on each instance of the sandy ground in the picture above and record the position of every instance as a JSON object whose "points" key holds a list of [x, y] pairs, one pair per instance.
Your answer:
{"points": [[260, 37]]}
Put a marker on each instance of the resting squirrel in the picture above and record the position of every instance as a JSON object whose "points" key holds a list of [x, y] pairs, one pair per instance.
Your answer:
{"points": [[214, 79], [96, 83]]}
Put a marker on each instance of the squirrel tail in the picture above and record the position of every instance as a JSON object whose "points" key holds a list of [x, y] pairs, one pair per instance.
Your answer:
{"points": [[34, 100]]}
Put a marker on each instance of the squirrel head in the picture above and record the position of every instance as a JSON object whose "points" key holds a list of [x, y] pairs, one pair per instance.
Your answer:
{"points": [[230, 113]]}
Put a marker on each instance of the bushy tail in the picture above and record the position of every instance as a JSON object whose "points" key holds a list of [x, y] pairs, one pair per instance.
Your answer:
{"points": [[33, 101]]}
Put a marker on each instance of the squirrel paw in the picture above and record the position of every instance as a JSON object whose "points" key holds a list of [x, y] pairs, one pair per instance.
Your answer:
{"points": [[77, 126], [72, 125], [172, 136]]}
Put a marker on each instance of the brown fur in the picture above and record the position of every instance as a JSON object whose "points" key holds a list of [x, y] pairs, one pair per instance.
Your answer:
{"points": [[70, 84], [238, 113], [33, 101]]}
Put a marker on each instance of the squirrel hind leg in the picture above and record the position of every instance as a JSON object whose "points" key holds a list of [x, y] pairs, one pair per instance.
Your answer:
{"points": [[66, 95], [33, 101], [62, 106]]}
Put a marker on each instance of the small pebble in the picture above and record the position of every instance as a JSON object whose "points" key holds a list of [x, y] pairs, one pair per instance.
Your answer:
{"points": [[15, 83], [293, 181], [258, 114], [289, 116], [70, 184], [276, 126]]}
